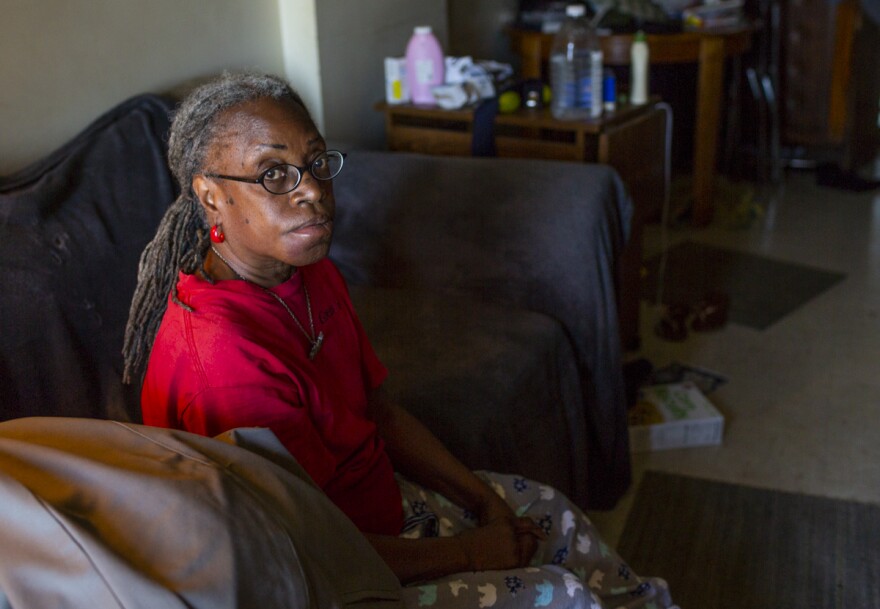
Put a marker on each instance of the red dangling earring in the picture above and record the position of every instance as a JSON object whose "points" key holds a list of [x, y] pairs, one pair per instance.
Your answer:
{"points": [[217, 235]]}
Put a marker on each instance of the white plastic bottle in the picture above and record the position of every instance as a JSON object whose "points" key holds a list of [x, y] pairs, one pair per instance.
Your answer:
{"points": [[639, 62], [424, 65], [576, 68]]}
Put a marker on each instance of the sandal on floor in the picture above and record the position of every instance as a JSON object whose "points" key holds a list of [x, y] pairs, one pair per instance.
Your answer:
{"points": [[711, 312], [673, 325]]}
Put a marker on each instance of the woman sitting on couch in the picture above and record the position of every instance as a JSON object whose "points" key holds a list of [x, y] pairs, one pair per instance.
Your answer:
{"points": [[247, 323]]}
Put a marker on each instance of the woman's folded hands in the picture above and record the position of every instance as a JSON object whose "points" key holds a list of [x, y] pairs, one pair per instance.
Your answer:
{"points": [[502, 540]]}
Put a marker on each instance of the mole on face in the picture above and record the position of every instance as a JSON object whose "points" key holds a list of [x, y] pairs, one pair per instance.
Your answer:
{"points": [[230, 201]]}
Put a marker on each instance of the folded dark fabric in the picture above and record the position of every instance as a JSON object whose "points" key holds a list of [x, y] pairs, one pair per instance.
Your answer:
{"points": [[72, 227]]}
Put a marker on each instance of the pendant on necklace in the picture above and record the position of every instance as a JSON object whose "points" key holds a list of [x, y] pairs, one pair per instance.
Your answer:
{"points": [[316, 346]]}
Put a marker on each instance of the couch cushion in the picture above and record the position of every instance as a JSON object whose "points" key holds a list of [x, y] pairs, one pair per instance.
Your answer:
{"points": [[72, 227], [527, 233], [498, 385]]}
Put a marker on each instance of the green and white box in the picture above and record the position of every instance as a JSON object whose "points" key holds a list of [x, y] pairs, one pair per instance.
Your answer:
{"points": [[677, 415]]}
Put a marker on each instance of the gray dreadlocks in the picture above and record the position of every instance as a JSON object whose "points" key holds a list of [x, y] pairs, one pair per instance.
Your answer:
{"points": [[181, 240]]}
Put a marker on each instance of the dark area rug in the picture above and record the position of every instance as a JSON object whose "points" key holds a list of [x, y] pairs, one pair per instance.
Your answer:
{"points": [[762, 290], [723, 545]]}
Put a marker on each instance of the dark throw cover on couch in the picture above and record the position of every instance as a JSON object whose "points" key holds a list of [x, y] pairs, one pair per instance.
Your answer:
{"points": [[72, 228], [533, 235]]}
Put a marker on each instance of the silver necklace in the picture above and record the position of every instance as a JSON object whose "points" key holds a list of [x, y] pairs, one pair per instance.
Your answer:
{"points": [[315, 341]]}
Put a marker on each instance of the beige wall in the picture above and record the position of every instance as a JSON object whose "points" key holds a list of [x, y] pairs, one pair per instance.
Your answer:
{"points": [[302, 62], [354, 37], [479, 28], [65, 62]]}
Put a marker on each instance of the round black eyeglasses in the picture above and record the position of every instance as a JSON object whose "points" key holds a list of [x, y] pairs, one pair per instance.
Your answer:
{"points": [[284, 178]]}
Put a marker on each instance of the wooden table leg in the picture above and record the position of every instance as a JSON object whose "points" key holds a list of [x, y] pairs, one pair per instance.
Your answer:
{"points": [[711, 73], [530, 54]]}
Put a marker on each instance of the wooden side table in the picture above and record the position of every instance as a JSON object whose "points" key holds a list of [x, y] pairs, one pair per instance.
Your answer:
{"points": [[631, 140], [707, 49]]}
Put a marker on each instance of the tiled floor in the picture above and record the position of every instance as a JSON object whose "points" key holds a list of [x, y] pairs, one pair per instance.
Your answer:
{"points": [[802, 401]]}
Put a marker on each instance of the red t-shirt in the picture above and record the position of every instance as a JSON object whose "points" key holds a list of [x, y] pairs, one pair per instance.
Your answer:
{"points": [[239, 360]]}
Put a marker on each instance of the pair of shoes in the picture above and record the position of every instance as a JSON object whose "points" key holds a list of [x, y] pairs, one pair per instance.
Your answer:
{"points": [[710, 313], [673, 325]]}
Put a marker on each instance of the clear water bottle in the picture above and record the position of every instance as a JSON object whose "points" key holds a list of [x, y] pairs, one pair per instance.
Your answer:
{"points": [[576, 68]]}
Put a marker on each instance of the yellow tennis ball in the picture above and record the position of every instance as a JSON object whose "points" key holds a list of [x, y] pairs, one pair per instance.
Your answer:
{"points": [[508, 102]]}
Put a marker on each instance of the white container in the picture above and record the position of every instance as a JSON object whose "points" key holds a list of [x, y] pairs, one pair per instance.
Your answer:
{"points": [[639, 63], [424, 65], [396, 89], [676, 415]]}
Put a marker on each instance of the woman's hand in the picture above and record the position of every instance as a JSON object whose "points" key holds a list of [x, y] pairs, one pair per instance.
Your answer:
{"points": [[528, 534], [503, 540], [491, 507], [501, 544]]}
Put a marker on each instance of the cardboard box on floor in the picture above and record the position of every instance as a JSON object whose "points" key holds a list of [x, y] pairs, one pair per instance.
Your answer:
{"points": [[676, 415]]}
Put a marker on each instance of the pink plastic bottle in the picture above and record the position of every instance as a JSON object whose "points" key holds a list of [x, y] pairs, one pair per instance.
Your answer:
{"points": [[424, 65]]}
